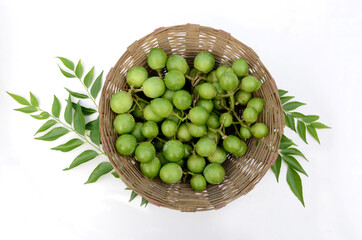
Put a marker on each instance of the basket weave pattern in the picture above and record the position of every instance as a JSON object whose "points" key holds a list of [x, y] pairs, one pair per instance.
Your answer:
{"points": [[242, 174]]}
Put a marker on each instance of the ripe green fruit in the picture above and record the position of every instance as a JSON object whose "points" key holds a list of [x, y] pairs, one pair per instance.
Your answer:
{"points": [[214, 136], [161, 107], [171, 173], [218, 88], [214, 173], [136, 76], [226, 119], [121, 102], [177, 62], [250, 115], [207, 104], [196, 163], [153, 87], [124, 123], [183, 133], [150, 129], [149, 115], [137, 132], [213, 121], [241, 151], [169, 128], [193, 72], [162, 158], [197, 130], [181, 162], [188, 150], [245, 132], [198, 115], [207, 91], [232, 144], [240, 67], [220, 70], [205, 147], [168, 95], [126, 144], [259, 130], [256, 103], [204, 62], [173, 150], [182, 100], [156, 59], [137, 112], [198, 182], [219, 156], [228, 80], [211, 77], [219, 103], [174, 80], [249, 84], [150, 169], [243, 97], [145, 152]]}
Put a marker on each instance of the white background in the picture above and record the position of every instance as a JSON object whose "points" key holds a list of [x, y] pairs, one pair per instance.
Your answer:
{"points": [[312, 48]]}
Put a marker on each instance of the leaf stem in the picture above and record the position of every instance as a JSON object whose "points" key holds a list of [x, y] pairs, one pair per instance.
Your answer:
{"points": [[89, 95]]}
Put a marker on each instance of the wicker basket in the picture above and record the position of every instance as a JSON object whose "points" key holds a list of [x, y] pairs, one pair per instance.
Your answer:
{"points": [[242, 174]]}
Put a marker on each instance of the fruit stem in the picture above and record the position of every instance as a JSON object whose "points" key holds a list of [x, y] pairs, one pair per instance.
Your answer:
{"points": [[141, 99], [160, 139], [159, 74], [139, 106], [236, 130]]}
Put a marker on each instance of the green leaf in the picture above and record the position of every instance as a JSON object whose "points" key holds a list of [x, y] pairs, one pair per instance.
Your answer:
{"points": [[319, 125], [68, 113], [79, 120], [41, 116], [289, 121], [88, 79], [295, 184], [86, 111], [19, 99], [286, 99], [69, 64], [56, 107], [28, 109], [115, 174], [100, 170], [33, 100], [97, 85], [276, 167], [293, 151], [282, 92], [133, 196], [70, 145], [144, 202], [292, 105], [293, 163], [77, 95], [79, 70], [313, 132], [310, 118], [302, 130], [298, 114], [66, 74], [285, 142], [89, 125], [94, 133], [85, 156], [46, 126], [53, 134]]}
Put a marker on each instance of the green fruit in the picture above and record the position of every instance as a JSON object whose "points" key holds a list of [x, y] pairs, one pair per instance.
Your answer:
{"points": [[198, 182], [145, 152], [173, 150], [159, 145], [138, 113], [249, 84], [211, 77], [168, 95], [150, 169], [196, 163], [162, 158], [150, 129], [250, 115], [136, 76], [214, 136], [204, 62], [197, 130], [205, 147], [245, 132], [169, 128], [228, 80], [207, 104], [124, 123], [121, 102], [232, 144], [207, 91], [171, 173], [218, 88], [137, 132], [240, 67], [214, 173], [173, 116], [181, 162], [177, 62], [174, 80], [188, 150], [153, 87], [149, 115], [193, 72], [219, 156], [183, 133], [219, 103], [226, 119], [220, 70], [256, 103], [198, 115], [182, 100], [156, 59], [161, 107], [259, 130], [213, 121], [243, 97], [126, 144], [241, 151]]}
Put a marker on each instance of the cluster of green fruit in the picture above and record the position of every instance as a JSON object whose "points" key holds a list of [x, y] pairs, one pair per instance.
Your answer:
{"points": [[183, 115]]}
